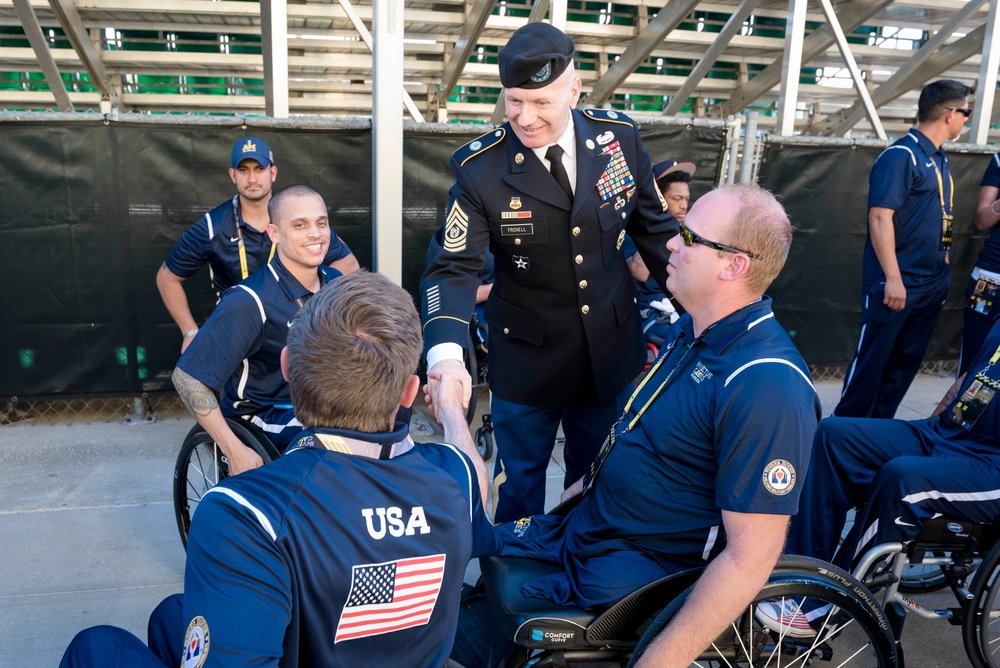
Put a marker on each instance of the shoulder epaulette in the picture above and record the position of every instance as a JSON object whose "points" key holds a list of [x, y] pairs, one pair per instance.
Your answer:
{"points": [[479, 145], [608, 116]]}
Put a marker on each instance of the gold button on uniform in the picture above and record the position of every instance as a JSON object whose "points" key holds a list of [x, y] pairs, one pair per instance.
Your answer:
{"points": [[583, 284], [576, 231], [585, 309], [578, 259], [623, 215], [517, 242]]}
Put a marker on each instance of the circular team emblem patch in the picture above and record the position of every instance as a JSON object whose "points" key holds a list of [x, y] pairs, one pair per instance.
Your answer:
{"points": [[779, 477], [196, 641]]}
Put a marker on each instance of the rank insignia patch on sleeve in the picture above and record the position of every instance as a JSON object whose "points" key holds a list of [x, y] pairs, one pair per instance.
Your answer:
{"points": [[456, 229]]}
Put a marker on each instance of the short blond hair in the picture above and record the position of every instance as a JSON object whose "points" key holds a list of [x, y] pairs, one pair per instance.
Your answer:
{"points": [[762, 227], [351, 350]]}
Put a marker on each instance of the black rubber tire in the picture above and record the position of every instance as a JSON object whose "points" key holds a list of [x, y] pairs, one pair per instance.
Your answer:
{"points": [[200, 466], [860, 625], [982, 640], [484, 443]]}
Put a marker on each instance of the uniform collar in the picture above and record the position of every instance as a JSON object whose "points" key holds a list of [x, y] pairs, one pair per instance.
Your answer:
{"points": [[567, 141], [925, 144], [349, 441], [725, 332], [289, 284]]}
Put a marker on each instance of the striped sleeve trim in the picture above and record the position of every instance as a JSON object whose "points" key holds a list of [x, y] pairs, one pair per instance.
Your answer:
{"points": [[260, 306], [767, 360], [240, 499]]}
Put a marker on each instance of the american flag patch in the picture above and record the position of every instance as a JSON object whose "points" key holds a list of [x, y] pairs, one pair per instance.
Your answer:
{"points": [[390, 596]]}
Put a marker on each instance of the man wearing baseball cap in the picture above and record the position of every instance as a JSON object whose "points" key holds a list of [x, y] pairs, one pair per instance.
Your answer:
{"points": [[232, 238], [551, 192]]}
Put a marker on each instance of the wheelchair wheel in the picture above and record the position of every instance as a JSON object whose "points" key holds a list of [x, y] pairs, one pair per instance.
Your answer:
{"points": [[850, 629], [922, 578], [484, 442], [981, 626], [201, 465], [472, 366]]}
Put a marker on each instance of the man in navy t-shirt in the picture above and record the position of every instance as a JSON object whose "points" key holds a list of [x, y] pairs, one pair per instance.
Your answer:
{"points": [[906, 270], [983, 291], [350, 549], [232, 368], [706, 462], [232, 238]]}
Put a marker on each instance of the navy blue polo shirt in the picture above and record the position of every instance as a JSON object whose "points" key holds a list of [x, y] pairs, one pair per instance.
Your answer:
{"points": [[237, 352], [903, 179], [329, 558], [213, 240], [989, 256]]}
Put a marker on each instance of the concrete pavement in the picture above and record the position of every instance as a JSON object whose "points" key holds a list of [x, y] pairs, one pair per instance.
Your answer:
{"points": [[88, 533]]}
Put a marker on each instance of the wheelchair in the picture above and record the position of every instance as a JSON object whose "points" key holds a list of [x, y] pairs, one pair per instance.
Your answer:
{"points": [[961, 555], [201, 465], [853, 633]]}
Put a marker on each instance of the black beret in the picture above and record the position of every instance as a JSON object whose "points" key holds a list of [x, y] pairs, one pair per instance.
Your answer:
{"points": [[535, 55]]}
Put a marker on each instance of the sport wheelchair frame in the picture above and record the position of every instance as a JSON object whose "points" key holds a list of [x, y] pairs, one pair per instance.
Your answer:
{"points": [[853, 632]]}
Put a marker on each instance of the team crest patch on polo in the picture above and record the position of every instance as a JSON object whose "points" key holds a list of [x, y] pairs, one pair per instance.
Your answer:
{"points": [[543, 74], [196, 642], [521, 526], [701, 373], [456, 229], [779, 477]]}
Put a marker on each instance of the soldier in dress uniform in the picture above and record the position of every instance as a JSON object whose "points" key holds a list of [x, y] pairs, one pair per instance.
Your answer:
{"points": [[551, 193]]}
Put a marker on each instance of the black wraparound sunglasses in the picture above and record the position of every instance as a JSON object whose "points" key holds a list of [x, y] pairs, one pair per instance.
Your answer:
{"points": [[690, 238], [965, 111]]}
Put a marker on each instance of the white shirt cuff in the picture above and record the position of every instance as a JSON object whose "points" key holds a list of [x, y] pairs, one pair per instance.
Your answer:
{"points": [[444, 351]]}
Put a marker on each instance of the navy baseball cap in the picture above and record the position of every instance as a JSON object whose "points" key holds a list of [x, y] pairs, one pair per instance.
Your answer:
{"points": [[534, 56], [254, 148], [661, 169]]}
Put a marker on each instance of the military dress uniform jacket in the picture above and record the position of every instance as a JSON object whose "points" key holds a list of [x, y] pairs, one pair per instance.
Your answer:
{"points": [[564, 329]]}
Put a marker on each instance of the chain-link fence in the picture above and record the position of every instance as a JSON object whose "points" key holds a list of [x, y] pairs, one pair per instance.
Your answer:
{"points": [[150, 407], [128, 410]]}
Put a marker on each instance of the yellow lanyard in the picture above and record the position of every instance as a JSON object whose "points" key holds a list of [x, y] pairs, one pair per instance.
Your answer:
{"points": [[951, 185], [659, 390], [244, 271]]}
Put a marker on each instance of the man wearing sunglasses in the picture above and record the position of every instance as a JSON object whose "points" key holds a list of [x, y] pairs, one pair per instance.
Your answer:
{"points": [[906, 272], [705, 463]]}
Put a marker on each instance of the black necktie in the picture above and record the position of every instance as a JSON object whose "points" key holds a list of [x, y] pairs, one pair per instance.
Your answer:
{"points": [[554, 156]]}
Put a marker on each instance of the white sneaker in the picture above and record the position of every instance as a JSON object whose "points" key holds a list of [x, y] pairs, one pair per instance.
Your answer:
{"points": [[785, 617]]}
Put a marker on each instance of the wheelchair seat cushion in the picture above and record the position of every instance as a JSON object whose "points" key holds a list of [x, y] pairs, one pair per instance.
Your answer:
{"points": [[532, 622]]}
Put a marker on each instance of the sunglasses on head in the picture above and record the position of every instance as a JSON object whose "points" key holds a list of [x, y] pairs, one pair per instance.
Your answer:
{"points": [[690, 238]]}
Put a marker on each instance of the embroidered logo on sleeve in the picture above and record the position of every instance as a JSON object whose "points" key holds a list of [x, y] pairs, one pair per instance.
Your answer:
{"points": [[456, 229], [196, 641], [779, 477]]}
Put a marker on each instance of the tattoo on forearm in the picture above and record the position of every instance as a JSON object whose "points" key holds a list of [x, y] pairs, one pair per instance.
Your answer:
{"points": [[197, 396]]}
